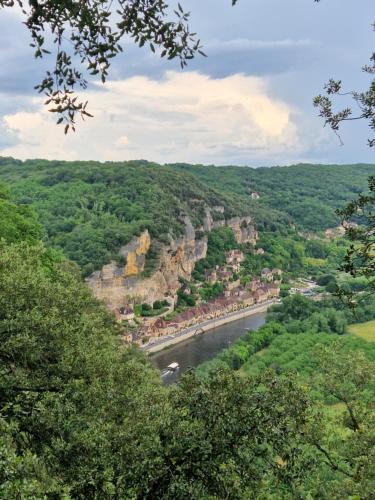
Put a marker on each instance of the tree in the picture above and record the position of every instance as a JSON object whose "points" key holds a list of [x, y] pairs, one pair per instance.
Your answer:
{"points": [[359, 219], [86, 36], [230, 437], [346, 444], [364, 102], [359, 260]]}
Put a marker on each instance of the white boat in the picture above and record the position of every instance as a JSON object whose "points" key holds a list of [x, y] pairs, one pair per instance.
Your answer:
{"points": [[173, 367]]}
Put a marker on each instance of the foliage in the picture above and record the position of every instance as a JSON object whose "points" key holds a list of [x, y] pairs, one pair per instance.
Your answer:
{"points": [[17, 222], [219, 241], [159, 307], [89, 210], [64, 379], [364, 102], [347, 445], [185, 299], [211, 291], [226, 435], [359, 261], [312, 208], [160, 304]]}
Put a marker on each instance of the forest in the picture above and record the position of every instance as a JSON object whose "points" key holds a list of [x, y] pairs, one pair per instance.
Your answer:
{"points": [[286, 412], [309, 194], [89, 209]]}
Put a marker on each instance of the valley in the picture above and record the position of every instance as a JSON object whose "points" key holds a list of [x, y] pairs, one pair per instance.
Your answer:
{"points": [[101, 264]]}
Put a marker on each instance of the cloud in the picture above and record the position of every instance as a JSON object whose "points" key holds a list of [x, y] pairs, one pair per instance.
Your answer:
{"points": [[183, 117], [246, 44]]}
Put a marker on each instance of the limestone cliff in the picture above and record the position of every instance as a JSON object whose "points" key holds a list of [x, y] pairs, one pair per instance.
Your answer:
{"points": [[243, 230], [118, 285], [135, 254]]}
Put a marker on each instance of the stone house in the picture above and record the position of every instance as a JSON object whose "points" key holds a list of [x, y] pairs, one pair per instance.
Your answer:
{"points": [[210, 276], [267, 274], [273, 290], [261, 294], [255, 196], [248, 299], [253, 284], [235, 256], [231, 285]]}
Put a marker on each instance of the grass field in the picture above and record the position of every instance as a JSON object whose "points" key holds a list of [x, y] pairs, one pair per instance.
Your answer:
{"points": [[364, 330]]}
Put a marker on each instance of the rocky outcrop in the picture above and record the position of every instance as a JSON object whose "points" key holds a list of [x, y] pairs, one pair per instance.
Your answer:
{"points": [[135, 254], [243, 230], [118, 285]]}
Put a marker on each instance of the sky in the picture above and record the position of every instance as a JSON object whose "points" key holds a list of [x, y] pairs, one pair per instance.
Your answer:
{"points": [[248, 103]]}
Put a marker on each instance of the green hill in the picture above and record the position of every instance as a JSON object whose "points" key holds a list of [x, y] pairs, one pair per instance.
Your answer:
{"points": [[309, 194], [89, 209]]}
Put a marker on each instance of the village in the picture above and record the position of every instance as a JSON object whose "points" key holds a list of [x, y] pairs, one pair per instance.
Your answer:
{"points": [[235, 296]]}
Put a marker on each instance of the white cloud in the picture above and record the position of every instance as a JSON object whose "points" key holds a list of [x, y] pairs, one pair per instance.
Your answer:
{"points": [[246, 44], [184, 117]]}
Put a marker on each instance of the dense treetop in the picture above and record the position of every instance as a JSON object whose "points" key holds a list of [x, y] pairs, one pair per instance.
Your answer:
{"points": [[309, 194], [84, 416], [90, 209]]}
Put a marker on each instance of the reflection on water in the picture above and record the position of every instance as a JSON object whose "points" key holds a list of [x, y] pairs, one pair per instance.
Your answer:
{"points": [[196, 350]]}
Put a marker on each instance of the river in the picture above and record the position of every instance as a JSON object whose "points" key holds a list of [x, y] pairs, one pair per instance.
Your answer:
{"points": [[196, 350]]}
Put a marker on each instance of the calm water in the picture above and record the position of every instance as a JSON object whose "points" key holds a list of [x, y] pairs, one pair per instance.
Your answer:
{"points": [[196, 350]]}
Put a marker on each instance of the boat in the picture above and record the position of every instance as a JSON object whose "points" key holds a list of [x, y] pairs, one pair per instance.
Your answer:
{"points": [[173, 367]]}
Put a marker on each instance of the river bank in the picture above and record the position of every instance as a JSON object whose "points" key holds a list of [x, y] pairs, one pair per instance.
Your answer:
{"points": [[201, 348], [170, 340]]}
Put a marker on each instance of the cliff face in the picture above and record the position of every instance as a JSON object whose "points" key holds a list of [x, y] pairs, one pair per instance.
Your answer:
{"points": [[116, 285], [135, 254], [243, 230], [119, 285]]}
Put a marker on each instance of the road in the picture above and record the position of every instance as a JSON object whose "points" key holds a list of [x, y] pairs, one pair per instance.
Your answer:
{"points": [[186, 333]]}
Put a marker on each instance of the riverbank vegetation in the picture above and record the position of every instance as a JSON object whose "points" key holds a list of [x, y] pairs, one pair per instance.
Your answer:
{"points": [[301, 323]]}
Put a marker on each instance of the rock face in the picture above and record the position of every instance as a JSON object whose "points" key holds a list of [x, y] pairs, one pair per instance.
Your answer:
{"points": [[243, 230], [135, 254], [118, 285]]}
